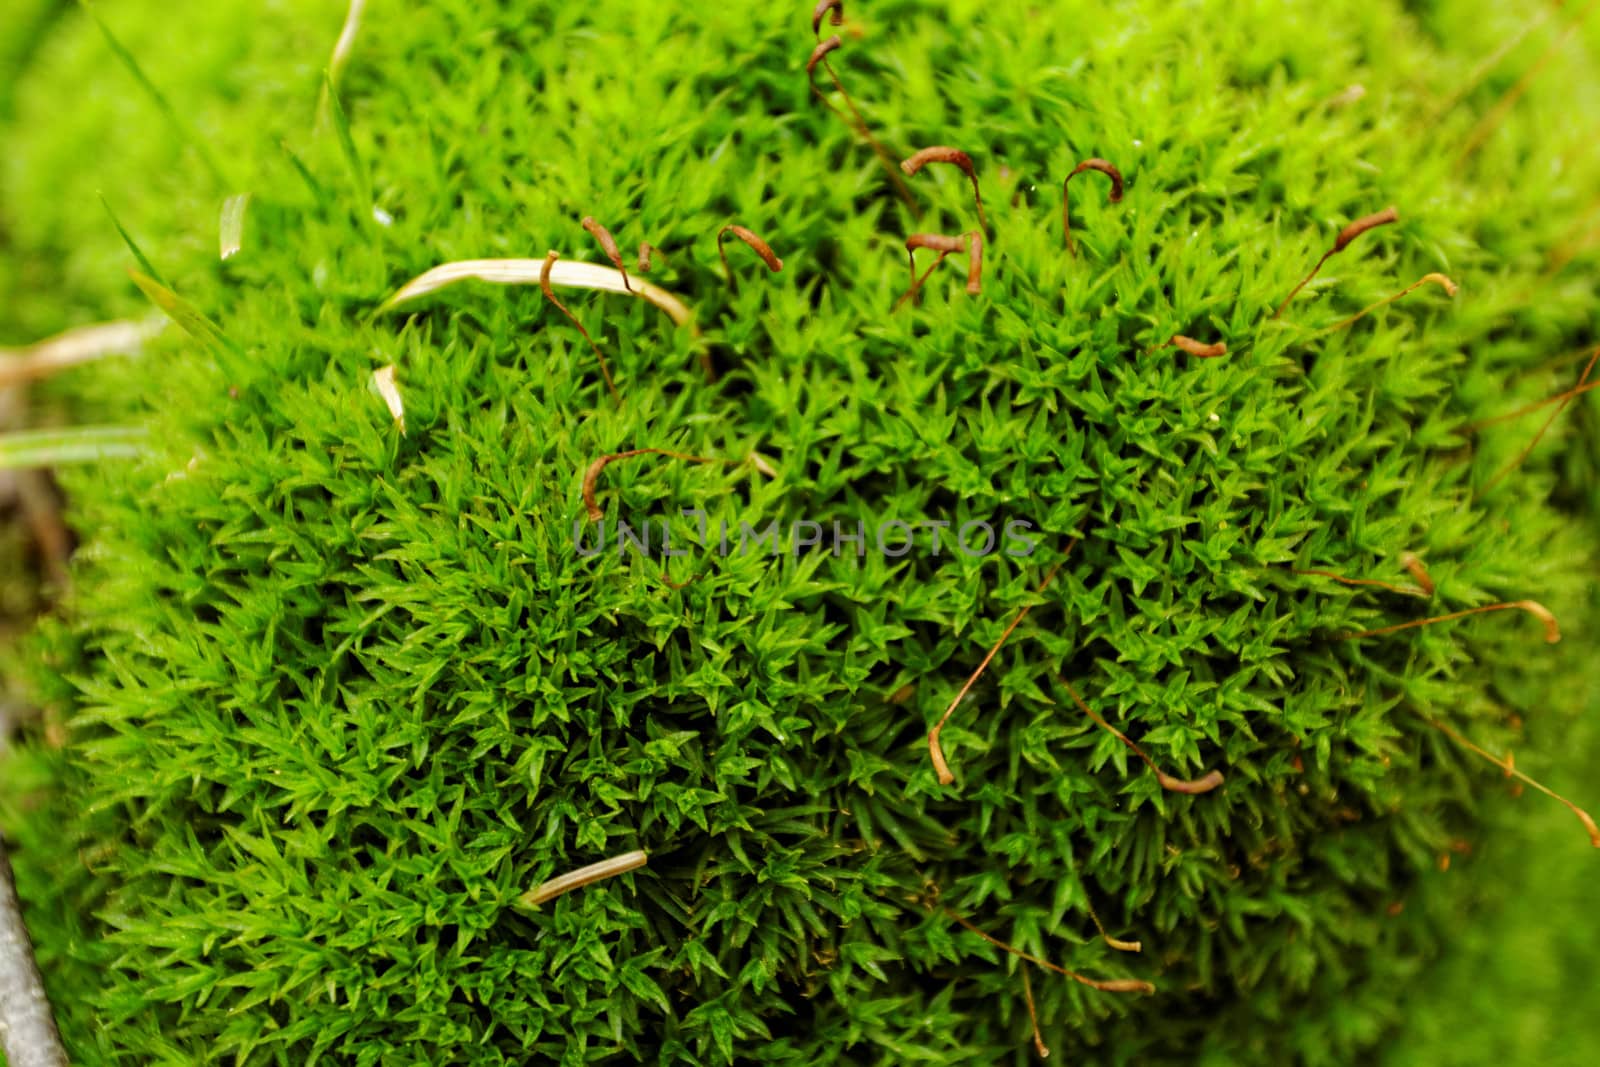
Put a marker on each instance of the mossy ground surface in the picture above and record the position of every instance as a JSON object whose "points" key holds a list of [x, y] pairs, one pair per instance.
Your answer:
{"points": [[334, 696]]}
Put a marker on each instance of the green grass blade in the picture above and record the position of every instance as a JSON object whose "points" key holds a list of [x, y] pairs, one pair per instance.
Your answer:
{"points": [[347, 145], [185, 132], [179, 310], [82, 444], [318, 193], [133, 246]]}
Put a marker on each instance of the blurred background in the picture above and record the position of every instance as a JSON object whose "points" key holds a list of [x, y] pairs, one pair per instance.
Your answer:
{"points": [[1518, 987]]}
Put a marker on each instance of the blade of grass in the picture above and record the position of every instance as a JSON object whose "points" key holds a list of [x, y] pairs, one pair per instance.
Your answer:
{"points": [[82, 345], [386, 387], [346, 42], [81, 444], [133, 246], [318, 193], [185, 132], [230, 227], [179, 310], [571, 273], [347, 146], [549, 294], [566, 883]]}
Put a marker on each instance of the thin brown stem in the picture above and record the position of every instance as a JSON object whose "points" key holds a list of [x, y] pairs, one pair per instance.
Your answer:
{"points": [[591, 476], [819, 55], [1562, 398], [1424, 592], [1497, 114], [918, 282], [1552, 628], [1510, 767], [1450, 288], [1116, 943], [1100, 166], [1571, 250], [1522, 456], [940, 767], [774, 264], [955, 157], [970, 242], [608, 245], [944, 244], [550, 295], [1355, 229], [1555, 363], [1493, 60], [1583, 233], [1033, 1017], [1304, 282], [1115, 985], [646, 250], [1204, 784]]}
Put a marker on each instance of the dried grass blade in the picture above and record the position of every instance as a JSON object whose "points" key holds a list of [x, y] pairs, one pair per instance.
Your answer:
{"points": [[230, 226], [383, 381], [81, 345], [566, 883], [568, 273]]}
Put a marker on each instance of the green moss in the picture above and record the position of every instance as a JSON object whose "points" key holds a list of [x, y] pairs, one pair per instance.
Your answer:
{"points": [[335, 697]]}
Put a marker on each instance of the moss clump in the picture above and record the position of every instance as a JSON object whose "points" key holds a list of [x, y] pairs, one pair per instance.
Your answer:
{"points": [[335, 696]]}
